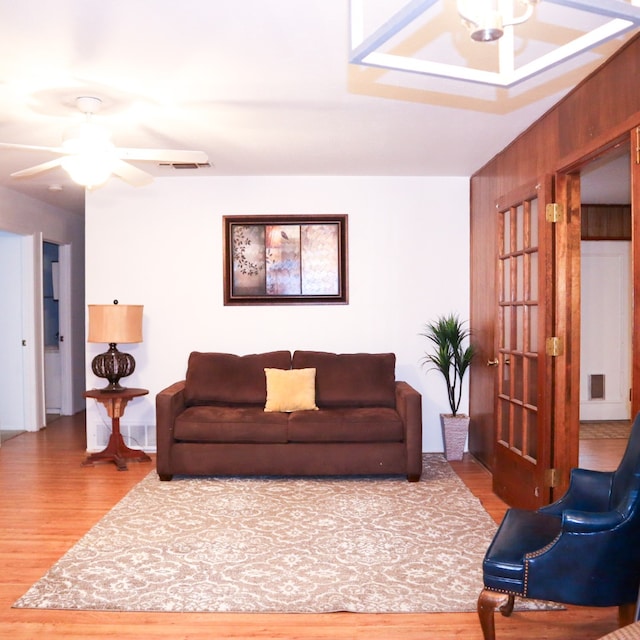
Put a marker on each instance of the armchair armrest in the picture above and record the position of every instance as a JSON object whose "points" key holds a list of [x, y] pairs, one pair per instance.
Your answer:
{"points": [[409, 406], [584, 522], [588, 491], [169, 404]]}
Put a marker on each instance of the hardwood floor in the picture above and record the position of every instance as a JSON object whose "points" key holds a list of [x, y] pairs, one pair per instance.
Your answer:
{"points": [[48, 501]]}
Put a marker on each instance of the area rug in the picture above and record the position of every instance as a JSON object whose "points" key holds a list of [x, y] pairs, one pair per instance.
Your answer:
{"points": [[280, 545]]}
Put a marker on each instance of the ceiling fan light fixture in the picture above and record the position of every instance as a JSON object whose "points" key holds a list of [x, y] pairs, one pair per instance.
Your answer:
{"points": [[92, 155], [85, 137], [89, 169], [90, 158]]}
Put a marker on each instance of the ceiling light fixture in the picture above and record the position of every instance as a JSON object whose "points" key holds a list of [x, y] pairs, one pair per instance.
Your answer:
{"points": [[489, 20], [92, 155]]}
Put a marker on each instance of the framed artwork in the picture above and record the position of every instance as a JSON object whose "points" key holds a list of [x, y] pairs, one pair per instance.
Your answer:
{"points": [[285, 259]]}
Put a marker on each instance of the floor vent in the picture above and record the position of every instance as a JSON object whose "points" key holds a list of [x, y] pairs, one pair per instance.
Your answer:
{"points": [[135, 436]]}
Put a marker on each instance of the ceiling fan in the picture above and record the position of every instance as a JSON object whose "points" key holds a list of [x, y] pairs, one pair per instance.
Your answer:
{"points": [[90, 158]]}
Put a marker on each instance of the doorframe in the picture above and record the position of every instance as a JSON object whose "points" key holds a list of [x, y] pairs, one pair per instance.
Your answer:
{"points": [[32, 329], [634, 158], [64, 311], [566, 444], [566, 388], [630, 138]]}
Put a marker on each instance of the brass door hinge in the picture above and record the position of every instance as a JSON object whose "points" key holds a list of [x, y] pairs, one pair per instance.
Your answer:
{"points": [[554, 212], [553, 346], [551, 478]]}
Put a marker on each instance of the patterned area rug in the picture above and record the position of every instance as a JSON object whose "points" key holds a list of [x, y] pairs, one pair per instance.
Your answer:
{"points": [[280, 545]]}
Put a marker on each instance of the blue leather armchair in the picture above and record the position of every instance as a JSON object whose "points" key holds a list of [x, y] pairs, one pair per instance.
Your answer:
{"points": [[581, 550]]}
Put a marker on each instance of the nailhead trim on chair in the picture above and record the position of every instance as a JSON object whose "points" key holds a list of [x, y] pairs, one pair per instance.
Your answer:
{"points": [[534, 554], [506, 592]]}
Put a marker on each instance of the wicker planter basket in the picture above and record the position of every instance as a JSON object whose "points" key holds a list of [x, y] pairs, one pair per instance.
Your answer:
{"points": [[454, 435]]}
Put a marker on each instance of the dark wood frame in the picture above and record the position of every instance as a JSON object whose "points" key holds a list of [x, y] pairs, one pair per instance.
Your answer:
{"points": [[232, 297]]}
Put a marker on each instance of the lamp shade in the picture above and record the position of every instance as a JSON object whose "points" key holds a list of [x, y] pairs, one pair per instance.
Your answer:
{"points": [[115, 323]]}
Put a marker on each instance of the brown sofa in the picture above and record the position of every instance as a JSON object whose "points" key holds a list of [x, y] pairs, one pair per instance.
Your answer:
{"points": [[215, 423]]}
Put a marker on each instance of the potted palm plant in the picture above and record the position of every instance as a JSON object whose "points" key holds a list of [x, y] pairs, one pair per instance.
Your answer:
{"points": [[451, 356]]}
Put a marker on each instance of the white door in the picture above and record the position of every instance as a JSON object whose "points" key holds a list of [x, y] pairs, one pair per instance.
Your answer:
{"points": [[605, 347], [12, 376]]}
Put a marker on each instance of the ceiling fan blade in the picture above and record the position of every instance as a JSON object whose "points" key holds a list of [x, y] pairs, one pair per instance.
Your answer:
{"points": [[132, 175], [30, 147], [45, 166], [163, 155]]}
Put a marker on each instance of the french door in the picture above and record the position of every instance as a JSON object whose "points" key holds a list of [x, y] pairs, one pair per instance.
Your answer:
{"points": [[524, 320]]}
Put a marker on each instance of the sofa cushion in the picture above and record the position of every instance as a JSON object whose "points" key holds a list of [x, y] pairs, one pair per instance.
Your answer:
{"points": [[290, 390], [365, 424], [230, 424], [229, 379], [351, 379]]}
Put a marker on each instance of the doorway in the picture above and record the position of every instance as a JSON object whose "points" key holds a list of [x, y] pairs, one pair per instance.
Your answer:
{"points": [[51, 322], [606, 299]]}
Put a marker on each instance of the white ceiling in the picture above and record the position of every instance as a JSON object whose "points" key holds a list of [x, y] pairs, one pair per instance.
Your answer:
{"points": [[263, 87]]}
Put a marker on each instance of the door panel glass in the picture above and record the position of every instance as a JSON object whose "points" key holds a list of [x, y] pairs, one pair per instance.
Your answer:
{"points": [[506, 333], [516, 429], [503, 425], [532, 387], [520, 277], [517, 404], [516, 372], [533, 277], [533, 328], [531, 449], [533, 229], [506, 234], [519, 328], [506, 278], [520, 228]]}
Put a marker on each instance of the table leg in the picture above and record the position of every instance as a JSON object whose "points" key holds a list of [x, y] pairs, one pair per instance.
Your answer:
{"points": [[116, 450]]}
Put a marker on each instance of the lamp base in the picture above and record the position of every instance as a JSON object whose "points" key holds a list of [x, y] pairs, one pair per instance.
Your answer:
{"points": [[113, 365]]}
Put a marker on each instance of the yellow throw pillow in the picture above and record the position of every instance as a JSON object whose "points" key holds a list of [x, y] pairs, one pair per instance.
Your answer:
{"points": [[291, 390]]}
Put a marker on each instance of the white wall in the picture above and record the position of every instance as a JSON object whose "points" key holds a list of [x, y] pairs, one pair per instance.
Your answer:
{"points": [[161, 246], [26, 216]]}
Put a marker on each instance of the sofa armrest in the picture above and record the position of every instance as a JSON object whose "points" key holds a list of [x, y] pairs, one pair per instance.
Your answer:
{"points": [[409, 406], [169, 404]]}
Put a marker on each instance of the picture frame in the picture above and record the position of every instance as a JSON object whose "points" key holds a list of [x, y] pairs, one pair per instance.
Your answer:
{"points": [[285, 259]]}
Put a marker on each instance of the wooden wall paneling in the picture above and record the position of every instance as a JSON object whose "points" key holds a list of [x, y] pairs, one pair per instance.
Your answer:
{"points": [[602, 108], [600, 105], [483, 309], [606, 222]]}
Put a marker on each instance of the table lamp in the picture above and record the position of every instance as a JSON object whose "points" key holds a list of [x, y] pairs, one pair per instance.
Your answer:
{"points": [[114, 324]]}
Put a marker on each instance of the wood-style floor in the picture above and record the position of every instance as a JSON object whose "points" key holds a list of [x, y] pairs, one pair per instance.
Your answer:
{"points": [[48, 501]]}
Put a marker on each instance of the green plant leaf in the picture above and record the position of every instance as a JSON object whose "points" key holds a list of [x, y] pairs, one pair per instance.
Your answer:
{"points": [[449, 355]]}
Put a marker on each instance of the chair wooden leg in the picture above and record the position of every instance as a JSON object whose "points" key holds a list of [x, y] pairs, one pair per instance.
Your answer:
{"points": [[626, 614], [507, 608], [487, 604]]}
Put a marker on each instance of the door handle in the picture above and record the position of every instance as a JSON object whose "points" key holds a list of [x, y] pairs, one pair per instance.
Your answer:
{"points": [[492, 363]]}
